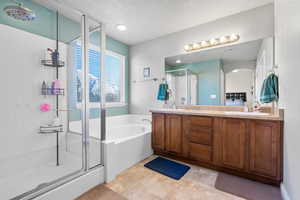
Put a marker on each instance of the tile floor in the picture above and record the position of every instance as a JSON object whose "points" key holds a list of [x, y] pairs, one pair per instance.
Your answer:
{"points": [[140, 183]]}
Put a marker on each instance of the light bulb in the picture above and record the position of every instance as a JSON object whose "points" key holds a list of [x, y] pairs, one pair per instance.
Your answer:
{"points": [[187, 47], [213, 41], [196, 46], [234, 37], [224, 39], [204, 43], [121, 27]]}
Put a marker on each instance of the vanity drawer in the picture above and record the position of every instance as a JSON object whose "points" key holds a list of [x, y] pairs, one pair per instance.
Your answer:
{"points": [[200, 135], [200, 152], [200, 121]]}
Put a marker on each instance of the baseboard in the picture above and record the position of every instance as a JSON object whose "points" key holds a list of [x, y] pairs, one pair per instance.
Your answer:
{"points": [[284, 193]]}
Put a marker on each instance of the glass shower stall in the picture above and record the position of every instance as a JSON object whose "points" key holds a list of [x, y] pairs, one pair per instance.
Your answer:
{"points": [[182, 86], [52, 115]]}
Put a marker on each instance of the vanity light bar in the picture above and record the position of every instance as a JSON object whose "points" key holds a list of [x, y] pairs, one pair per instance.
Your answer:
{"points": [[212, 42]]}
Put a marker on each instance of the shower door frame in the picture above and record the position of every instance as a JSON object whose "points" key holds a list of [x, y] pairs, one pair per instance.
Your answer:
{"points": [[49, 186]]}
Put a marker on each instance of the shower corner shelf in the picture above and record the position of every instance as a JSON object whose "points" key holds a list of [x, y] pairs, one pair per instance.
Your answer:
{"points": [[50, 63], [53, 91], [51, 129]]}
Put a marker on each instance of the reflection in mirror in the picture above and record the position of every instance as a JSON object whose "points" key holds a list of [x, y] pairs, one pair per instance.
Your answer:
{"points": [[230, 75]]}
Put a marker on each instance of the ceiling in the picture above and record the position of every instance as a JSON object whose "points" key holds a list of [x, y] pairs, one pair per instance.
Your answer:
{"points": [[149, 19], [238, 53]]}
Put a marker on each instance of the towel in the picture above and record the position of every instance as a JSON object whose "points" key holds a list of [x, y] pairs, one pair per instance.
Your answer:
{"points": [[163, 92], [269, 90]]}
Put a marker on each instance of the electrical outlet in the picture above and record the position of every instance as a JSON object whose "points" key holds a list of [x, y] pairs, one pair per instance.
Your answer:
{"points": [[213, 96]]}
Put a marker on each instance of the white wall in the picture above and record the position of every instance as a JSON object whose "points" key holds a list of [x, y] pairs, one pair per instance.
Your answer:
{"points": [[240, 81], [20, 82], [194, 89], [152, 53], [287, 44], [264, 63]]}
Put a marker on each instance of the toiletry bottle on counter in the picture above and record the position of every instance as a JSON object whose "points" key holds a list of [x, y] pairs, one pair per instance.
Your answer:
{"points": [[246, 108]]}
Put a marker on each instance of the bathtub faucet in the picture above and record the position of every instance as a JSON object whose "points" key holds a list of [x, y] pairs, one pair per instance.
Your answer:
{"points": [[147, 120]]}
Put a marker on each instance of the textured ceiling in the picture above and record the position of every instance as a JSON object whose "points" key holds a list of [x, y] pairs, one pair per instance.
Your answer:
{"points": [[149, 19]]}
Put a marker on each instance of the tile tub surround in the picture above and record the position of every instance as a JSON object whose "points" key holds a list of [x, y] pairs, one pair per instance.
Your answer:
{"points": [[218, 111], [139, 182]]}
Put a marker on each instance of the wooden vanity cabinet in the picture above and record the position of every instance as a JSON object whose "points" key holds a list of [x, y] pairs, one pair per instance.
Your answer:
{"points": [[173, 137], [265, 148], [158, 131], [244, 147], [233, 144], [250, 147]]}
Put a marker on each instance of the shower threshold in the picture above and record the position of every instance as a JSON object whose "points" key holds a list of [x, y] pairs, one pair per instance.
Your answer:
{"points": [[20, 183]]}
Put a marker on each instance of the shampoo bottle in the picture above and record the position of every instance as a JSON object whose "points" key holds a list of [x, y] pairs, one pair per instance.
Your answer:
{"points": [[56, 87], [44, 88]]}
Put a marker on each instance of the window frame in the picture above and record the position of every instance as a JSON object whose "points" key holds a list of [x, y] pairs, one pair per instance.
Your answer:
{"points": [[122, 81]]}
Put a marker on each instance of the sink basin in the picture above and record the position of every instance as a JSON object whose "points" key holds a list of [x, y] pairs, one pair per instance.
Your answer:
{"points": [[246, 113]]}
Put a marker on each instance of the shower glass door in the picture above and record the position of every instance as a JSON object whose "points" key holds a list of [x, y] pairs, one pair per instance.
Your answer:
{"points": [[51, 111], [94, 100]]}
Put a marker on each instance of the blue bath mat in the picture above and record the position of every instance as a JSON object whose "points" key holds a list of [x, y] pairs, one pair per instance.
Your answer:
{"points": [[167, 167]]}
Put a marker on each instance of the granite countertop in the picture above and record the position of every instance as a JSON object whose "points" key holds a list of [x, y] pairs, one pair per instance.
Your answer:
{"points": [[218, 113]]}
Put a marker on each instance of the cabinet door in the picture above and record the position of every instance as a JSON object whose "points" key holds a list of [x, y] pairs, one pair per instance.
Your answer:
{"points": [[234, 143], [174, 134], [158, 131], [265, 147]]}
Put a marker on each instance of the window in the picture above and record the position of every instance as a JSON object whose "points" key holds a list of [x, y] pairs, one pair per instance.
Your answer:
{"points": [[114, 79]]}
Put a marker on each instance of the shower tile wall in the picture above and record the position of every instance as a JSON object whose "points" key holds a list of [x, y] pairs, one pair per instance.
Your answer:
{"points": [[20, 83], [21, 147]]}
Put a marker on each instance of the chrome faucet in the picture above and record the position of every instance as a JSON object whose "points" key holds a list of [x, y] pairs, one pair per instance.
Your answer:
{"points": [[173, 105]]}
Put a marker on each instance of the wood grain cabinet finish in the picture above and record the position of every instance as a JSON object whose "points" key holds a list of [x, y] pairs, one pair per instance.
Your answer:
{"points": [[197, 138], [265, 148], [174, 134], [244, 147], [198, 129], [158, 131], [234, 143], [200, 152]]}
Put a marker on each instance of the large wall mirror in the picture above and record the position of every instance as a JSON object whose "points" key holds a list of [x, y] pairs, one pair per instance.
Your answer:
{"points": [[230, 75]]}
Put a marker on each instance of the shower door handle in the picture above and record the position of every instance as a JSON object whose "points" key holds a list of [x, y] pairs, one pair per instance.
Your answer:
{"points": [[103, 124]]}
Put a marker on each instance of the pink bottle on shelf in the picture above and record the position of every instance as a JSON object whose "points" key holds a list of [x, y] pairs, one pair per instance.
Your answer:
{"points": [[56, 87], [45, 107]]}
